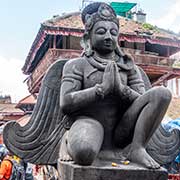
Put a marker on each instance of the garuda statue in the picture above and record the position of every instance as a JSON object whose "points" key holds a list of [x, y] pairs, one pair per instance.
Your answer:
{"points": [[95, 106]]}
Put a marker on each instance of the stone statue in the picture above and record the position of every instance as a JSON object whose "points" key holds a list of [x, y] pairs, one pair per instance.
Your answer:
{"points": [[94, 106]]}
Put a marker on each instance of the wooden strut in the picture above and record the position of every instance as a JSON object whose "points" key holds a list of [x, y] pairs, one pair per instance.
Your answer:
{"points": [[163, 78]]}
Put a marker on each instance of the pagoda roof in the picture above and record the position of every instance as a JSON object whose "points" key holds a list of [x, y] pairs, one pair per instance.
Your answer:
{"points": [[127, 26], [71, 24], [24, 120], [10, 109], [30, 99]]}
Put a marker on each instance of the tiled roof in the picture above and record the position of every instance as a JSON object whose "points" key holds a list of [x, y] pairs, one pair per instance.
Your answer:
{"points": [[71, 24], [72, 20], [30, 99], [127, 26], [6, 109], [24, 120], [174, 108]]}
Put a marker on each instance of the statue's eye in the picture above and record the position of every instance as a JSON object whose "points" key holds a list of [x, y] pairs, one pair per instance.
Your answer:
{"points": [[100, 31], [114, 32]]}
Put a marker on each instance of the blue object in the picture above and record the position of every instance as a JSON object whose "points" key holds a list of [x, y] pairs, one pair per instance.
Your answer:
{"points": [[177, 159], [171, 125], [3, 151]]}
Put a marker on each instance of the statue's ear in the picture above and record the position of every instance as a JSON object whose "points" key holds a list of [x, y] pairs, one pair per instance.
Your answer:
{"points": [[84, 40], [119, 51], [86, 45]]}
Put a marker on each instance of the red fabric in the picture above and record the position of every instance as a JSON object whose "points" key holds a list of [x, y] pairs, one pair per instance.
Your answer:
{"points": [[63, 32], [164, 42], [174, 177], [132, 39], [151, 41], [5, 169]]}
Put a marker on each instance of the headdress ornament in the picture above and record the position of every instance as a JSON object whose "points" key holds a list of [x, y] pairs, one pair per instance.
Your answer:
{"points": [[98, 11]]}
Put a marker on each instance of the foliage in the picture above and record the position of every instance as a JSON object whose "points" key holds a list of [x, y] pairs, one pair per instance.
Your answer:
{"points": [[150, 27], [176, 64]]}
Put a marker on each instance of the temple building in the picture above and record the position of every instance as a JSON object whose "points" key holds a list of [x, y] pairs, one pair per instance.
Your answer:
{"points": [[19, 112], [8, 112], [27, 104], [59, 38], [5, 99], [174, 84]]}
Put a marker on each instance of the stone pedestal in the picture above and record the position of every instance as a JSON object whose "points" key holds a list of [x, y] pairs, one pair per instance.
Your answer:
{"points": [[103, 170]]}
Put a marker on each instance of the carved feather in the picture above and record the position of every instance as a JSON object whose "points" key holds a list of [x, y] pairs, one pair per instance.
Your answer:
{"points": [[164, 146], [39, 140]]}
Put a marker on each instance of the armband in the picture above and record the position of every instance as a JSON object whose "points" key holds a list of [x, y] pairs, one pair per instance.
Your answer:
{"points": [[99, 91]]}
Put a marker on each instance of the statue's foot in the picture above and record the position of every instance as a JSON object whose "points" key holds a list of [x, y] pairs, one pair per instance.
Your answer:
{"points": [[65, 158], [63, 153], [106, 155], [116, 154], [140, 156]]}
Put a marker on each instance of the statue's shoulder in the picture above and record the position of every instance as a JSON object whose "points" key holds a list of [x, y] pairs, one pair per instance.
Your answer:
{"points": [[126, 62], [75, 64]]}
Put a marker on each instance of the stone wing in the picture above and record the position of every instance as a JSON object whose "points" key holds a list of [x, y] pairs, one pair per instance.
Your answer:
{"points": [[164, 146], [145, 78], [39, 140]]}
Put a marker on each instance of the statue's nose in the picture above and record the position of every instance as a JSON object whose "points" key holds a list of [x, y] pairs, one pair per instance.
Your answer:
{"points": [[108, 36]]}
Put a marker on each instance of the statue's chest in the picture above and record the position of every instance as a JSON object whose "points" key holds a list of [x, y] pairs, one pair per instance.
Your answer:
{"points": [[95, 76]]}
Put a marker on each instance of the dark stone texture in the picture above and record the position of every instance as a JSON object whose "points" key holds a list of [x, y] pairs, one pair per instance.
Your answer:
{"points": [[97, 105], [104, 171]]}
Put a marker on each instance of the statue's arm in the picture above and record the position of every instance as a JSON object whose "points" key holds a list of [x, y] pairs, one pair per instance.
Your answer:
{"points": [[135, 86], [135, 81], [72, 95]]}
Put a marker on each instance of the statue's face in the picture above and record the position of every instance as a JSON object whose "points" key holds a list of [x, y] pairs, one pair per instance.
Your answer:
{"points": [[104, 36]]}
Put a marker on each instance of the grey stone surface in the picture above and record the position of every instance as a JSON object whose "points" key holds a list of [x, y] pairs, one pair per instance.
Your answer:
{"points": [[103, 170], [93, 106]]}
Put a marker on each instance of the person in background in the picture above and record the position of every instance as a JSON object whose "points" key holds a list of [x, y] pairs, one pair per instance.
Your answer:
{"points": [[6, 166]]}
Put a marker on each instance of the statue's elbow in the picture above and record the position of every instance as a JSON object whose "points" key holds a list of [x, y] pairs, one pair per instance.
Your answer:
{"points": [[65, 105], [64, 108]]}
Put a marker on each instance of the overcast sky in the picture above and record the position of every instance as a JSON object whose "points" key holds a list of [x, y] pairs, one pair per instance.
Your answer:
{"points": [[20, 22]]}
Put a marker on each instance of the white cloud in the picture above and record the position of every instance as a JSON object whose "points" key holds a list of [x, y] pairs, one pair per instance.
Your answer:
{"points": [[11, 79], [170, 18]]}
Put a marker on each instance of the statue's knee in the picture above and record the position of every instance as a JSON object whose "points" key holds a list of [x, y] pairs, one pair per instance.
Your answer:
{"points": [[164, 94], [161, 94], [84, 140], [85, 154]]}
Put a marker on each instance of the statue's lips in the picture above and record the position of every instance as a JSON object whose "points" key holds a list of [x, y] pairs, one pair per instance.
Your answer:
{"points": [[108, 43]]}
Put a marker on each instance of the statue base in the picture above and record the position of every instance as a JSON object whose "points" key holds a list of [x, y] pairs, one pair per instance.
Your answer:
{"points": [[103, 170]]}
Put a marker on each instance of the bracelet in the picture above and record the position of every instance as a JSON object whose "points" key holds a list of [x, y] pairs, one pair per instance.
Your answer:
{"points": [[99, 91], [128, 94], [126, 91]]}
